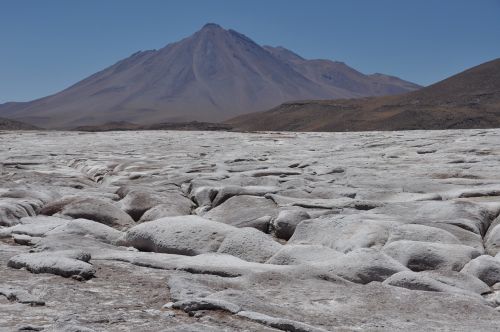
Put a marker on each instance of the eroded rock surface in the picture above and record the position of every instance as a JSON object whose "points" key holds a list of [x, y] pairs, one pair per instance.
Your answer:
{"points": [[215, 231]]}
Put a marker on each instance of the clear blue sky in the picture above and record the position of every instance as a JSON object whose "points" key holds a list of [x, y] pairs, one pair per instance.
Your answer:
{"points": [[48, 45]]}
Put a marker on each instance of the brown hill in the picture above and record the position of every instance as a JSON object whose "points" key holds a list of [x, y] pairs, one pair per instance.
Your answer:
{"points": [[213, 75], [123, 125], [6, 124], [470, 99]]}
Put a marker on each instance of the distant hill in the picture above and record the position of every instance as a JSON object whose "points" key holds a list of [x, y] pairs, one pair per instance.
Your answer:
{"points": [[470, 99], [6, 124], [213, 75], [122, 125]]}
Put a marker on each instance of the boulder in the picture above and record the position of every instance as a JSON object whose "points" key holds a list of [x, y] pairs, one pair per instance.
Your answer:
{"points": [[422, 233], [87, 228], [97, 210], [458, 279], [249, 244], [285, 223], [204, 195], [465, 237], [63, 263], [184, 235], [467, 215], [245, 211], [192, 327], [294, 254], [12, 210], [418, 281], [492, 238], [178, 205], [223, 265], [57, 205], [137, 201], [34, 226], [484, 267], [226, 192], [421, 256], [344, 233], [365, 265], [20, 295]]}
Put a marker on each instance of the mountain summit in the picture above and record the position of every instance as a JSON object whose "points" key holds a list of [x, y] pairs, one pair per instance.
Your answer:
{"points": [[214, 74]]}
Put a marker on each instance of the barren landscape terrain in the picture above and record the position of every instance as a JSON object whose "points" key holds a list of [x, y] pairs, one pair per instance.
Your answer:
{"points": [[220, 231]]}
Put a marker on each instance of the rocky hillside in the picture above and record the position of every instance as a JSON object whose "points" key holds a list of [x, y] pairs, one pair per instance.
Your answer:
{"points": [[6, 124], [470, 99]]}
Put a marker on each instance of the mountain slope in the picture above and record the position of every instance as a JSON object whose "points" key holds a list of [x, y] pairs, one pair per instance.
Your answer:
{"points": [[470, 99], [338, 75], [6, 124], [212, 75]]}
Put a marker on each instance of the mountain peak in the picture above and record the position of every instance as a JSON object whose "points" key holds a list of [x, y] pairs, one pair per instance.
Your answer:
{"points": [[211, 26]]}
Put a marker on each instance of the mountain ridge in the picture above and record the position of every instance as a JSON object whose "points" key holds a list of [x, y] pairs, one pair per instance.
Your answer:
{"points": [[470, 99]]}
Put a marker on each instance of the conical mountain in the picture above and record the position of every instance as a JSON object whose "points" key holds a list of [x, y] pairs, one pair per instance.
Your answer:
{"points": [[213, 75]]}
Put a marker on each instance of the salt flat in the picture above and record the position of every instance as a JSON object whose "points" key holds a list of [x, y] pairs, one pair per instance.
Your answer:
{"points": [[219, 231]]}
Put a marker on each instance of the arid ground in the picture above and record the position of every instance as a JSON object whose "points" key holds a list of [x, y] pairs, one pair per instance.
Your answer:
{"points": [[219, 231]]}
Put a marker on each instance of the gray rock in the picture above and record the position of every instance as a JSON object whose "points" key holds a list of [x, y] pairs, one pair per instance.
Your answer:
{"points": [[293, 254], [279, 323], [177, 206], [418, 281], [245, 211], [249, 244], [422, 233], [25, 240], [465, 237], [204, 195], [421, 256], [206, 304], [63, 263], [34, 226], [70, 327], [15, 294], [223, 265], [193, 327], [484, 267], [184, 235], [226, 192], [86, 228], [344, 233], [283, 226], [12, 210], [492, 238], [468, 215], [57, 205], [97, 210], [273, 172], [458, 279], [321, 203], [365, 265], [136, 202]]}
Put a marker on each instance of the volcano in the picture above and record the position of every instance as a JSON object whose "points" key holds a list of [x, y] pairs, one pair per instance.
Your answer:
{"points": [[213, 75]]}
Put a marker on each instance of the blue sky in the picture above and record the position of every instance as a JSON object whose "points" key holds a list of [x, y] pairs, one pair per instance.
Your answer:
{"points": [[47, 45]]}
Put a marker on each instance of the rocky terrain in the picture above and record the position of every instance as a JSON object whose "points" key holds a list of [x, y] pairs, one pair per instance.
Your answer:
{"points": [[221, 231], [213, 75], [467, 100]]}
